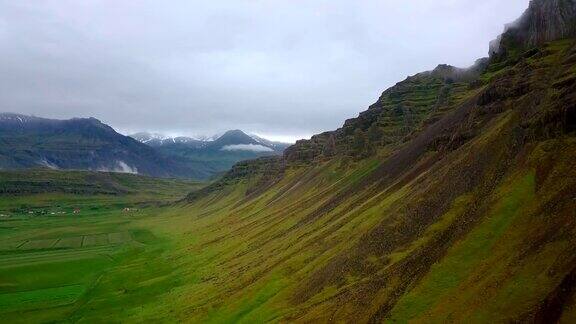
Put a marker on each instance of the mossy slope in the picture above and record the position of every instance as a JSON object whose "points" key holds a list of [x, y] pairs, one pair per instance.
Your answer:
{"points": [[468, 217]]}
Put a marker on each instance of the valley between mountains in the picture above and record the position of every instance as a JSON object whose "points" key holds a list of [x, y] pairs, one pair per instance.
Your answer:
{"points": [[452, 199]]}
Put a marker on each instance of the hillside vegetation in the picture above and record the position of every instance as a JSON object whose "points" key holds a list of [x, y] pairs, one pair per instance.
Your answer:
{"points": [[89, 183], [466, 214], [63, 232], [471, 218]]}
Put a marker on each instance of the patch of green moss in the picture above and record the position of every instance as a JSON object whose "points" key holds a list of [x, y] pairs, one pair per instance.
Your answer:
{"points": [[465, 255]]}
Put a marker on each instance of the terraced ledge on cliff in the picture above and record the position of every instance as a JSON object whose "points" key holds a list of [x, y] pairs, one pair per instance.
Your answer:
{"points": [[400, 113]]}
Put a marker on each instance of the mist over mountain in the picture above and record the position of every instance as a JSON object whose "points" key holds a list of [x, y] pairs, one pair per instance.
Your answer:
{"points": [[542, 22]]}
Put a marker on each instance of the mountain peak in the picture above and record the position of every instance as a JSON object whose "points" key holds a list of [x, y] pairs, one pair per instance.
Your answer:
{"points": [[233, 137], [234, 132], [79, 144], [21, 118], [14, 121]]}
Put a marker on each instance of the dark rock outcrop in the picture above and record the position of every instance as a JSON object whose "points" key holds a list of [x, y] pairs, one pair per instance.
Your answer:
{"points": [[400, 112], [543, 21]]}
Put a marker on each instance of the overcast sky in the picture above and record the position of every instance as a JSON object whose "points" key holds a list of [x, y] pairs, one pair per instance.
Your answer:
{"points": [[280, 68]]}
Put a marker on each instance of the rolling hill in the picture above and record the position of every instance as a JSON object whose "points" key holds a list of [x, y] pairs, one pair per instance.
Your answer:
{"points": [[45, 181]]}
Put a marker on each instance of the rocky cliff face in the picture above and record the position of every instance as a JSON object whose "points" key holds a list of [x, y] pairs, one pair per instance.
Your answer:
{"points": [[400, 112], [410, 107], [543, 21], [399, 115]]}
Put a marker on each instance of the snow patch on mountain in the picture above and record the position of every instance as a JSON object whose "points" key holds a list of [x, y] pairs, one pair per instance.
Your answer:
{"points": [[11, 117], [257, 138], [152, 137], [157, 139], [206, 138], [48, 164]]}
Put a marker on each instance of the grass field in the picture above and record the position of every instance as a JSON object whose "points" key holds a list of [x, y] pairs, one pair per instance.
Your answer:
{"points": [[59, 246], [52, 262], [54, 282]]}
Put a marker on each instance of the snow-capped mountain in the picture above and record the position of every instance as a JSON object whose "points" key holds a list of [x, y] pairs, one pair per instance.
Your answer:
{"points": [[229, 141], [16, 119], [155, 139], [214, 154], [276, 146]]}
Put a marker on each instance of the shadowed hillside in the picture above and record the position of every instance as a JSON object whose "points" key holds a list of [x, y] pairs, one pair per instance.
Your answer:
{"points": [[79, 144]]}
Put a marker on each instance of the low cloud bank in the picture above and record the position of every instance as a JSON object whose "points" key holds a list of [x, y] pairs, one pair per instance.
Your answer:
{"points": [[247, 147]]}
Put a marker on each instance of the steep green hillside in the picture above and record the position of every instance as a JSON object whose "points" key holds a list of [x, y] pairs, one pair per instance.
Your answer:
{"points": [[469, 215]]}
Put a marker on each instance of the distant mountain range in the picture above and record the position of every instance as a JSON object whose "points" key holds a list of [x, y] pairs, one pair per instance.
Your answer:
{"points": [[233, 137], [88, 144], [212, 155], [155, 139]]}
